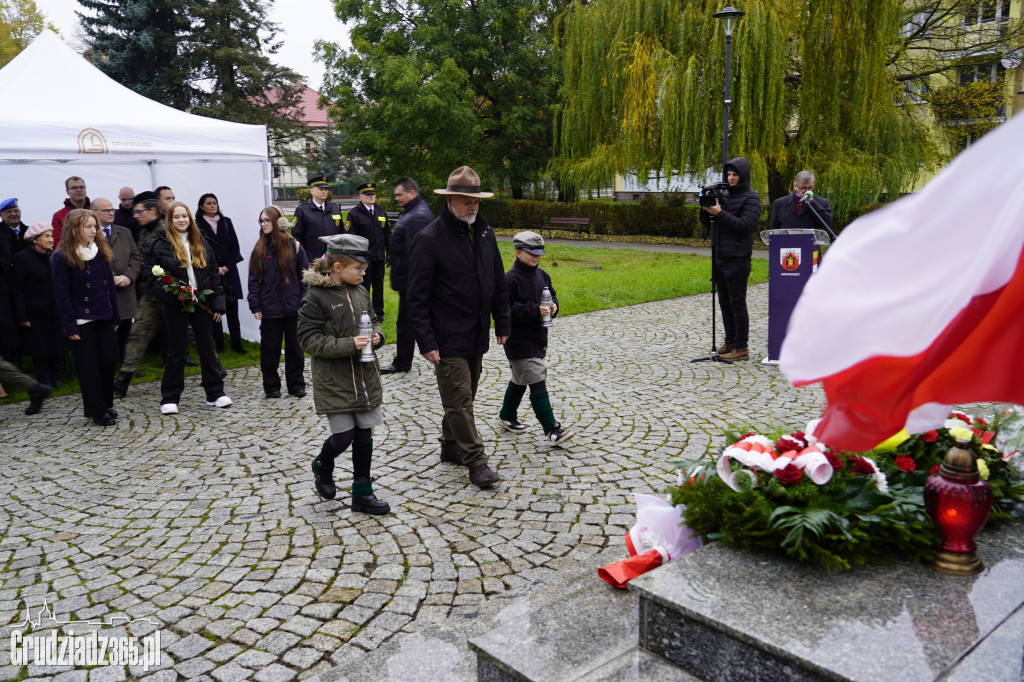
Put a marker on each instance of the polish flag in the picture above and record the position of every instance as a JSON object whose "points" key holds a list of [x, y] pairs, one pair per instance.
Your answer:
{"points": [[920, 305]]}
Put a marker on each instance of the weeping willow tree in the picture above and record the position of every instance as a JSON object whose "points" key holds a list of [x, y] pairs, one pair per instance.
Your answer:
{"points": [[643, 85]]}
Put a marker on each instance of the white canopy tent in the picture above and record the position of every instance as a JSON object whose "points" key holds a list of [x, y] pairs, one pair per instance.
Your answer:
{"points": [[62, 116]]}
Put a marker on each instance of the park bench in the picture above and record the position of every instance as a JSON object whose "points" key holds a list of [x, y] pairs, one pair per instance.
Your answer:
{"points": [[567, 225]]}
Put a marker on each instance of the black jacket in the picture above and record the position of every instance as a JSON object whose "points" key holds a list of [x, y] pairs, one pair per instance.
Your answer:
{"points": [[272, 297], [456, 286], [414, 218], [225, 247], [738, 219], [84, 293], [124, 218], [32, 292], [9, 245], [529, 338], [158, 251], [375, 228], [786, 214], [311, 223]]}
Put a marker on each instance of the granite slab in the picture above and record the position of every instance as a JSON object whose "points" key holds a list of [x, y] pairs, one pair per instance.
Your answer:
{"points": [[725, 614], [589, 625], [639, 665]]}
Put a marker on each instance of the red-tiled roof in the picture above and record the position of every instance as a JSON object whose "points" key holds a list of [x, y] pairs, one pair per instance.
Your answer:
{"points": [[310, 113]]}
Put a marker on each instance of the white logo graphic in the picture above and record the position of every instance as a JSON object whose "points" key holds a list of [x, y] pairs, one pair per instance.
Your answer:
{"points": [[29, 647]]}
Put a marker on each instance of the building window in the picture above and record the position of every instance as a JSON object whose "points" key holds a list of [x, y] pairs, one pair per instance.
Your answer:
{"points": [[310, 145], [976, 11]]}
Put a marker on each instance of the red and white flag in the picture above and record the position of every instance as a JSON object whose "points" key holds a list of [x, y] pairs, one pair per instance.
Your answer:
{"points": [[920, 305]]}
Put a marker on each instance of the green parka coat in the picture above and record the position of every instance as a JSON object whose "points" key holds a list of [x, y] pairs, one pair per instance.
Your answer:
{"points": [[328, 325]]}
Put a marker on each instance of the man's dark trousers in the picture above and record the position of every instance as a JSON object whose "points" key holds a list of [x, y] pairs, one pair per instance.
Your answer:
{"points": [[731, 282], [374, 283], [406, 340], [457, 380]]}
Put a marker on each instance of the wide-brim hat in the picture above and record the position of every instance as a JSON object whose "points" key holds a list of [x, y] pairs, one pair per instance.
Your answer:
{"points": [[466, 182], [351, 245]]}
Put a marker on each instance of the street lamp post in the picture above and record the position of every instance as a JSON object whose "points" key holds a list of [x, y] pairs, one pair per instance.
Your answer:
{"points": [[730, 15]]}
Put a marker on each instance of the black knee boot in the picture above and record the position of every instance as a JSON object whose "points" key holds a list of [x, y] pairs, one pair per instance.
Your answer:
{"points": [[363, 499]]}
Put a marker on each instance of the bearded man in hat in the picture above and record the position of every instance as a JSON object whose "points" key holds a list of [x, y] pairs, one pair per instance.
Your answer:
{"points": [[456, 286], [371, 223], [316, 218]]}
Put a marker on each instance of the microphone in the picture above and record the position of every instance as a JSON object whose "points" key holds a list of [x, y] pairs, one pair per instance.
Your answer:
{"points": [[808, 195]]}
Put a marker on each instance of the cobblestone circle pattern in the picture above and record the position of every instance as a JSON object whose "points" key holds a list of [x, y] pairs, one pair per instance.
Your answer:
{"points": [[205, 524]]}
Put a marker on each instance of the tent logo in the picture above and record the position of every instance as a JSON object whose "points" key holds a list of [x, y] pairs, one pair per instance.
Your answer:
{"points": [[91, 141]]}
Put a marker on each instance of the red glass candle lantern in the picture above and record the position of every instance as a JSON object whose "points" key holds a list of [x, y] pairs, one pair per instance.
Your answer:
{"points": [[958, 502]]}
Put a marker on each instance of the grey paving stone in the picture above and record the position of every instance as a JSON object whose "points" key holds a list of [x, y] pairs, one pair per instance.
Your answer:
{"points": [[189, 647], [275, 673]]}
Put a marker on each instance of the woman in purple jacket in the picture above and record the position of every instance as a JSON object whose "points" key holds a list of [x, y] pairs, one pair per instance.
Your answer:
{"points": [[86, 297], [275, 292]]}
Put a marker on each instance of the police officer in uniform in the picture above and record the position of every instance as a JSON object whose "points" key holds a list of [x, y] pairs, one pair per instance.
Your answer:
{"points": [[370, 222], [316, 218]]}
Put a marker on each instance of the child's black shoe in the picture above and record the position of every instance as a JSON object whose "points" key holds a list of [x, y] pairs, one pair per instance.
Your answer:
{"points": [[514, 426], [557, 435]]}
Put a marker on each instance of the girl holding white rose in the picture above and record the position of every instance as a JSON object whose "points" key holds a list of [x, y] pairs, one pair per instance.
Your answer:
{"points": [[180, 270]]}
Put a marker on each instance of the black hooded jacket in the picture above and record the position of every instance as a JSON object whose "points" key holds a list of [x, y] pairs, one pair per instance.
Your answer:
{"points": [[740, 213]]}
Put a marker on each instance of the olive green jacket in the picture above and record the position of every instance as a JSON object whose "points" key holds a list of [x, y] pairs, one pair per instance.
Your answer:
{"points": [[328, 325]]}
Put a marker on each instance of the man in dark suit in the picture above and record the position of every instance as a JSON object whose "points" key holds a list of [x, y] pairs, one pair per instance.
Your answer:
{"points": [[415, 216], [366, 220], [792, 210], [316, 218], [126, 263]]}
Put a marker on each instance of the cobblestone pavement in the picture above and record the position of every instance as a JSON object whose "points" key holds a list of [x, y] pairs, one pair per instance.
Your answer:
{"points": [[205, 525]]}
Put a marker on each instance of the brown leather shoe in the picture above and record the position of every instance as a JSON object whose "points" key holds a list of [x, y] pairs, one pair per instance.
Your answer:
{"points": [[737, 354], [482, 476], [727, 348]]}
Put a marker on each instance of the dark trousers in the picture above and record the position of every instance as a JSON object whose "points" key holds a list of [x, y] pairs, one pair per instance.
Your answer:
{"points": [[173, 383], [731, 282], [48, 368], [122, 338], [457, 380], [271, 333], [95, 355], [234, 328], [373, 280], [10, 375], [406, 341]]}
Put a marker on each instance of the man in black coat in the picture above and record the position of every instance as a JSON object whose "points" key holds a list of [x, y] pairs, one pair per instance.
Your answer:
{"points": [[316, 218], [791, 211], [737, 217], [456, 285], [415, 216], [371, 223]]}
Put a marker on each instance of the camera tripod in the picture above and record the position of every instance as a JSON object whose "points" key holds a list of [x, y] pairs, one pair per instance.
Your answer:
{"points": [[714, 356]]}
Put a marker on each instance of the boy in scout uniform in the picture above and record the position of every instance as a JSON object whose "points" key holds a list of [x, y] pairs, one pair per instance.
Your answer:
{"points": [[370, 222], [316, 218]]}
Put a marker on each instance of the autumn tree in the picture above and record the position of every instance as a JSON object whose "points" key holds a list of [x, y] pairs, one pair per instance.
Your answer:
{"points": [[812, 88], [20, 22]]}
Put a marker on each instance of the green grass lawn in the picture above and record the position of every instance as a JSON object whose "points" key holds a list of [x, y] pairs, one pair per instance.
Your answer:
{"points": [[586, 279]]}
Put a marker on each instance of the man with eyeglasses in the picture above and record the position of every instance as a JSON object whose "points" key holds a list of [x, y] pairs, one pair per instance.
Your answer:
{"points": [[126, 262], [75, 187], [371, 223], [791, 211], [123, 214]]}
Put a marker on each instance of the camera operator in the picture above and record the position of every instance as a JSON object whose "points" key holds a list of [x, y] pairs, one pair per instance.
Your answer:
{"points": [[792, 210], [736, 220]]}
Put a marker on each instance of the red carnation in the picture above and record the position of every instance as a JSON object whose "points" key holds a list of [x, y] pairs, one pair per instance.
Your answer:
{"points": [[787, 443], [962, 417], [167, 279], [860, 465], [906, 463], [836, 463], [789, 474], [930, 437], [934, 469]]}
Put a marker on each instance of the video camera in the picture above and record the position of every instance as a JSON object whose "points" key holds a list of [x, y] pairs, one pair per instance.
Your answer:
{"points": [[713, 193]]}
